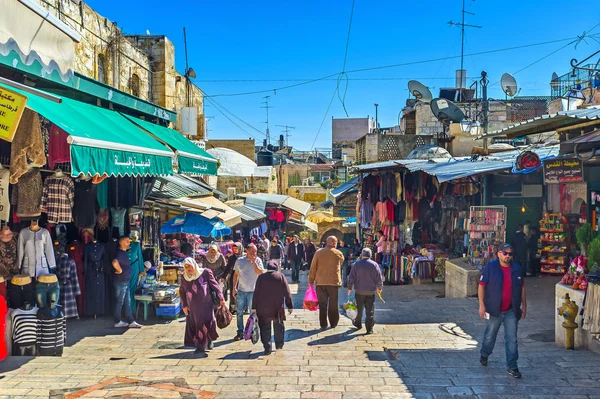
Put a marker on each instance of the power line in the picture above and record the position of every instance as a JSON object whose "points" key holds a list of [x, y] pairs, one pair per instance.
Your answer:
{"points": [[217, 107], [323, 121], [274, 90]]}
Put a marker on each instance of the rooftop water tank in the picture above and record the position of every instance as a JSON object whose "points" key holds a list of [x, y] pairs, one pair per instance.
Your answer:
{"points": [[264, 158]]}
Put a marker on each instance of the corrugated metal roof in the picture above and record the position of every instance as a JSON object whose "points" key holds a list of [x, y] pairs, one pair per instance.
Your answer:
{"points": [[177, 186], [547, 123], [249, 214], [457, 168], [258, 201], [345, 187]]}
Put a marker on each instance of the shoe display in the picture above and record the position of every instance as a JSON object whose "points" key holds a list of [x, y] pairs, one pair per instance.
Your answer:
{"points": [[121, 324], [483, 360], [514, 373]]}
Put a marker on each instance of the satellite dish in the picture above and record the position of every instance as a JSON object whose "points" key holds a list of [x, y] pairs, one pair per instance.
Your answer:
{"points": [[509, 85], [554, 81], [420, 91], [446, 111]]}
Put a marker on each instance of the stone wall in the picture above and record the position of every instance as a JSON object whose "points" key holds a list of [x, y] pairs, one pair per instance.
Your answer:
{"points": [[291, 174], [247, 184], [244, 147], [314, 195], [375, 147], [141, 65]]}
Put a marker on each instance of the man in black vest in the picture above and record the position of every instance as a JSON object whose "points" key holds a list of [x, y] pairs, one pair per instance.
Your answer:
{"points": [[296, 256], [502, 301]]}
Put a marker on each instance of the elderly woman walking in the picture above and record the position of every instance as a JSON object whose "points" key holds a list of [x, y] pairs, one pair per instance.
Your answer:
{"points": [[215, 261], [196, 298]]}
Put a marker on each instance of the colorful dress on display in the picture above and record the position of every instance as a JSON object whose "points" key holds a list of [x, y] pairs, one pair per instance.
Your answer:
{"points": [[75, 252], [201, 325], [136, 259], [69, 285]]}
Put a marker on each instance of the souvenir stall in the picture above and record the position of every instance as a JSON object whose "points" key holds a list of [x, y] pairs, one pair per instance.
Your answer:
{"points": [[74, 179], [402, 212]]}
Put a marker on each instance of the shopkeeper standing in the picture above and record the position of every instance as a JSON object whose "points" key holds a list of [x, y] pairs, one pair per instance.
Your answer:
{"points": [[121, 283]]}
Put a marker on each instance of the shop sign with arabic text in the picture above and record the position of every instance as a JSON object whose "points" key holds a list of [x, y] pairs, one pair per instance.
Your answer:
{"points": [[11, 109], [564, 170]]}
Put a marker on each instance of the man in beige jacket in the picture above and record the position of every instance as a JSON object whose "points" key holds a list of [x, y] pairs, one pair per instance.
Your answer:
{"points": [[325, 273]]}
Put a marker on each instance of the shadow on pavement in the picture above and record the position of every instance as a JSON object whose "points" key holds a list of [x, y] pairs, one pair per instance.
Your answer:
{"points": [[295, 334], [244, 355], [335, 339]]}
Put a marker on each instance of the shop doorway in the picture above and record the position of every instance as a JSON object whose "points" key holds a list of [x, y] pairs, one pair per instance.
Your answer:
{"points": [[332, 232]]}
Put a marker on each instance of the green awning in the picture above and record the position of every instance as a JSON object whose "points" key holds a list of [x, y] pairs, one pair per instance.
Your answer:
{"points": [[103, 141], [191, 158]]}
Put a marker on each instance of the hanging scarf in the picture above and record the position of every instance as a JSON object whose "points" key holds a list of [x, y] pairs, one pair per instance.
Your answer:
{"points": [[210, 257], [197, 270]]}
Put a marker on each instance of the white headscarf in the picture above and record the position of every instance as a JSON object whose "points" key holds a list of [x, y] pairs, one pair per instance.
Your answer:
{"points": [[212, 258], [197, 270]]}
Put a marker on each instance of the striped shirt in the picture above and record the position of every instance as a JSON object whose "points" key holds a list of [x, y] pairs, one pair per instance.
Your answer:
{"points": [[52, 331], [24, 326]]}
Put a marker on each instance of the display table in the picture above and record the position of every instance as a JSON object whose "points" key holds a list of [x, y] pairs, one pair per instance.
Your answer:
{"points": [[462, 278]]}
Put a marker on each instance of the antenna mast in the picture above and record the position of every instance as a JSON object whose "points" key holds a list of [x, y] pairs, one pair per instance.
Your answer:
{"points": [[266, 102], [287, 135], [462, 44]]}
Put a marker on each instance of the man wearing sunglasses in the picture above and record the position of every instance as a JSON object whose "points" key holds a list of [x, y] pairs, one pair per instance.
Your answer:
{"points": [[502, 301]]}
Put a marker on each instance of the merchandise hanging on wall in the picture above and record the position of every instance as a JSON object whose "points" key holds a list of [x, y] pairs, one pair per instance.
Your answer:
{"points": [[487, 230]]}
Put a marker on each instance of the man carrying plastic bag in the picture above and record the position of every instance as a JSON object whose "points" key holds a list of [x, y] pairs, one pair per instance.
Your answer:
{"points": [[367, 280], [325, 273]]}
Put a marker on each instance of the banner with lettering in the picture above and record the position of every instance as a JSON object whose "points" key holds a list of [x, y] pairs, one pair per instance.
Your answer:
{"points": [[563, 170], [12, 105]]}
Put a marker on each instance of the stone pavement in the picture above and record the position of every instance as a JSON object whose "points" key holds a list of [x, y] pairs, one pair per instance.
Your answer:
{"points": [[424, 346]]}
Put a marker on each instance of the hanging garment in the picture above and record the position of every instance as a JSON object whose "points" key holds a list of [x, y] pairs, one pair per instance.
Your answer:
{"points": [[59, 250], [51, 331], [75, 252], [136, 260], [388, 188], [366, 213], [58, 147], [26, 196], [370, 188], [102, 193], [57, 199], [35, 252], [102, 230], [123, 192], [4, 197], [95, 268], [398, 178], [8, 258], [86, 204], [390, 210], [24, 328], [119, 220], [27, 144], [19, 295], [400, 212], [69, 285]]}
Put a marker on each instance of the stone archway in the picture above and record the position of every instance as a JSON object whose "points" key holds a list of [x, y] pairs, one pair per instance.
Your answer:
{"points": [[331, 232]]}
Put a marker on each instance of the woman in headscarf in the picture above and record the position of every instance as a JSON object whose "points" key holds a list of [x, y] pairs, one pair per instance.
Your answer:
{"points": [[215, 261], [196, 298], [238, 252]]}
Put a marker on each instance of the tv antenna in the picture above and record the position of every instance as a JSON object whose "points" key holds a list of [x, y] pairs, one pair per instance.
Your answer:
{"points": [[462, 41], [267, 106], [287, 135]]}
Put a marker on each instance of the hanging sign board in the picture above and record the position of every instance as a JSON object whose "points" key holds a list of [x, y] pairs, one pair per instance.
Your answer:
{"points": [[565, 170], [12, 105]]}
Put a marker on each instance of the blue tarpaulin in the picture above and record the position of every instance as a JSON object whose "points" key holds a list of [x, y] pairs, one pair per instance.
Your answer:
{"points": [[192, 223]]}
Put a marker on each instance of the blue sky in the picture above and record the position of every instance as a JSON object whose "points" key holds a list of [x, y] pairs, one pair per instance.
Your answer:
{"points": [[258, 41]]}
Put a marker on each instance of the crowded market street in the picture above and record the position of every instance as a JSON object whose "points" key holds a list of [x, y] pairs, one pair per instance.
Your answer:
{"points": [[424, 346]]}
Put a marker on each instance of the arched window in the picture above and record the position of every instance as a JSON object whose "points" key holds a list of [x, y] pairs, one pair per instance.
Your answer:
{"points": [[101, 65], [134, 84]]}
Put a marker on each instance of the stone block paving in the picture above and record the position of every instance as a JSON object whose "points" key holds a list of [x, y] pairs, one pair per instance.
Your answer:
{"points": [[424, 346]]}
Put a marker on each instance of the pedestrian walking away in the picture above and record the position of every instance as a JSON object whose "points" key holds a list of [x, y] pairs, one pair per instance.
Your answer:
{"points": [[502, 301], [309, 251], [325, 273], [121, 286], [367, 280], [270, 295], [198, 305], [246, 272], [238, 252], [295, 256], [276, 253]]}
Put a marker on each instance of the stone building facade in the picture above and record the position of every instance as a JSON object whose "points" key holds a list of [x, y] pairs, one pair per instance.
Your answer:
{"points": [[141, 65], [244, 147]]}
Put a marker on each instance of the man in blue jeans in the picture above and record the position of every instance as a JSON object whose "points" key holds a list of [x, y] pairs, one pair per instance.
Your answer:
{"points": [[121, 285], [502, 300], [246, 272]]}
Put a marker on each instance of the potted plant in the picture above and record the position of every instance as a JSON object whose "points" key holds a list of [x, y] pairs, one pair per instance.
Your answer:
{"points": [[585, 234], [594, 255]]}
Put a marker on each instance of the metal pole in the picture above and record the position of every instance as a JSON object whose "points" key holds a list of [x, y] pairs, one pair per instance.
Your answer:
{"points": [[376, 116], [462, 50], [485, 108]]}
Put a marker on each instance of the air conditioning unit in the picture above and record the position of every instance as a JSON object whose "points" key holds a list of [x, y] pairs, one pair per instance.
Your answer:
{"points": [[231, 193]]}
